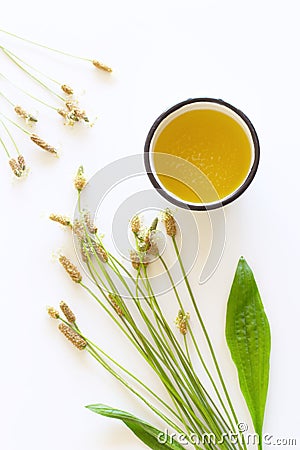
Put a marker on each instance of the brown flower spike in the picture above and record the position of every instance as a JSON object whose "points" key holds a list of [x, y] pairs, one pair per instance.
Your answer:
{"points": [[72, 336], [70, 269], [114, 302], [63, 220], [53, 312], [101, 253], [15, 167], [21, 162], [80, 180], [68, 313], [24, 114], [41, 143], [135, 224], [67, 89], [89, 223], [170, 224], [182, 322], [101, 66]]}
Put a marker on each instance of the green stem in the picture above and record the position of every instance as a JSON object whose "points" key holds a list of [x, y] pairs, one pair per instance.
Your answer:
{"points": [[206, 337], [27, 93], [45, 46], [196, 345], [10, 136], [12, 57], [15, 124], [7, 99], [4, 146]]}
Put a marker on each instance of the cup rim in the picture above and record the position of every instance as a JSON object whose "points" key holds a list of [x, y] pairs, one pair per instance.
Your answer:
{"points": [[201, 206]]}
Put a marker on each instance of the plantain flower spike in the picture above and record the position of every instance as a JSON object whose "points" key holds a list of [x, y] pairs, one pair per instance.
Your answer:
{"points": [[114, 299], [67, 89], [135, 224], [15, 167], [135, 260], [89, 223], [101, 66], [44, 145], [24, 114], [68, 313], [101, 253], [72, 336], [21, 162], [170, 224], [53, 312], [63, 220], [182, 321], [71, 269], [80, 180], [79, 229]]}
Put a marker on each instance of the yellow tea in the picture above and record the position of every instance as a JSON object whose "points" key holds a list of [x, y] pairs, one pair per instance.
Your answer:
{"points": [[211, 141]]}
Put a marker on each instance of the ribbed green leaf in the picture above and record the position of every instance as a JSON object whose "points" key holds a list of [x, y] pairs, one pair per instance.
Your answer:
{"points": [[249, 340], [151, 436]]}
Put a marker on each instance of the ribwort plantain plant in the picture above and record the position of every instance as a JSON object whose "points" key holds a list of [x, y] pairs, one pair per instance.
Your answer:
{"points": [[196, 405], [64, 101]]}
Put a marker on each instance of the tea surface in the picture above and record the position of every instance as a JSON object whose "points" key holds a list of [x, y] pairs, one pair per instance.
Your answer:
{"points": [[207, 140]]}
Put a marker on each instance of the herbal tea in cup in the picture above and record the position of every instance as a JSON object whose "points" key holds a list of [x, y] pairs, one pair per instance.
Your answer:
{"points": [[202, 153]]}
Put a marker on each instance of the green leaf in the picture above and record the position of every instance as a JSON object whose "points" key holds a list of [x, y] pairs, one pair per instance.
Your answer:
{"points": [[249, 340], [152, 437]]}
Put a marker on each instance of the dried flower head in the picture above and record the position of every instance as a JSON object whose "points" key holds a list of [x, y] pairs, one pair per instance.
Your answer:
{"points": [[101, 253], [79, 229], [63, 220], [41, 143], [71, 269], [76, 113], [53, 312], [21, 162], [67, 89], [135, 224], [89, 223], [80, 180], [68, 313], [182, 321], [115, 302], [170, 223], [135, 260], [15, 167], [24, 114], [69, 119], [101, 66], [73, 336]]}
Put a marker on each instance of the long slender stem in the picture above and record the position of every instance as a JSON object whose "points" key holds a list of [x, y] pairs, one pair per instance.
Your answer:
{"points": [[15, 124], [45, 46], [7, 99], [27, 93], [11, 56], [212, 352], [10, 136], [4, 146], [195, 343]]}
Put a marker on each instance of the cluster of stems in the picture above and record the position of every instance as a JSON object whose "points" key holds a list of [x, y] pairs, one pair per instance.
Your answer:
{"points": [[64, 102], [193, 406]]}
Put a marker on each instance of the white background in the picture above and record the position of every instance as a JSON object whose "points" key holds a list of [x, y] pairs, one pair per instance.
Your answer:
{"points": [[246, 53]]}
